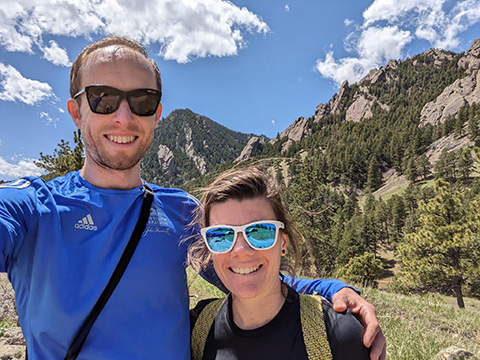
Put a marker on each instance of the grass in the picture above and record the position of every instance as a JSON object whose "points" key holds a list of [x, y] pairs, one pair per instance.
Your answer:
{"points": [[416, 327]]}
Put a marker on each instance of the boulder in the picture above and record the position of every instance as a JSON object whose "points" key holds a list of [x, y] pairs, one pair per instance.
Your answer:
{"points": [[455, 353]]}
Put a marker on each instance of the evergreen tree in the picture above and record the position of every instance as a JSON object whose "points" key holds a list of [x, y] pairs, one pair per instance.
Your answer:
{"points": [[64, 159], [446, 166], [473, 128], [363, 269], [411, 172], [374, 175], [424, 166], [465, 163], [444, 252]]}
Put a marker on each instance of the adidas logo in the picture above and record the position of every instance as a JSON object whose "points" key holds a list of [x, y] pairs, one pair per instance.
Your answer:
{"points": [[86, 224]]}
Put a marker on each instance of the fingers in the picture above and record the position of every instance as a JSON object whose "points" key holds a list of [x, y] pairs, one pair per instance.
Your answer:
{"points": [[373, 337], [368, 316], [379, 348], [340, 300]]}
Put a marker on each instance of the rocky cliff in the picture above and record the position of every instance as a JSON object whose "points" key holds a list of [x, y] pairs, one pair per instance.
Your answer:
{"points": [[461, 92]]}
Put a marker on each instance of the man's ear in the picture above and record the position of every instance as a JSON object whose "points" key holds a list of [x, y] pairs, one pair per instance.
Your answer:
{"points": [[158, 114], [74, 111]]}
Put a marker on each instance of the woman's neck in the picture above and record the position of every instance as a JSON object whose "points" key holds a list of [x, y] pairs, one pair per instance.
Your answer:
{"points": [[249, 314]]}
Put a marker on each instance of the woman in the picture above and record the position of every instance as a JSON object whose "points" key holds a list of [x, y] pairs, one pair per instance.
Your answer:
{"points": [[246, 233]]}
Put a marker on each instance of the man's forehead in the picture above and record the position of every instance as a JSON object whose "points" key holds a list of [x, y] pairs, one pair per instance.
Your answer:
{"points": [[112, 53]]}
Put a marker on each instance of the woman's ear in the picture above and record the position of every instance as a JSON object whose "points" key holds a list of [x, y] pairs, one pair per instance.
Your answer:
{"points": [[284, 241]]}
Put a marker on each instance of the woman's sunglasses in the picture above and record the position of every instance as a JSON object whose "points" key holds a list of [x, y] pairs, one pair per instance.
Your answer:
{"points": [[260, 235], [106, 99]]}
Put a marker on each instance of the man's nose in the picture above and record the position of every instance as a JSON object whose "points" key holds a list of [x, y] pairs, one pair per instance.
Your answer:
{"points": [[123, 112]]}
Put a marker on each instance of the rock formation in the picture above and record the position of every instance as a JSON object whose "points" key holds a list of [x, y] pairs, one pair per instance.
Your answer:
{"points": [[166, 159], [255, 143], [461, 92]]}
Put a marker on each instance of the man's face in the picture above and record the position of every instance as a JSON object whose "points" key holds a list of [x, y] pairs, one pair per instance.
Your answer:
{"points": [[119, 140]]}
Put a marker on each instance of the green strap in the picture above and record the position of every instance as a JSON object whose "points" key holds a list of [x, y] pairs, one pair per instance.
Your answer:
{"points": [[202, 328], [311, 317], [313, 328]]}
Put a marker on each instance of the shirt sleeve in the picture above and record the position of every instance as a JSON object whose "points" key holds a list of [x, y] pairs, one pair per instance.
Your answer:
{"points": [[323, 287], [16, 207]]}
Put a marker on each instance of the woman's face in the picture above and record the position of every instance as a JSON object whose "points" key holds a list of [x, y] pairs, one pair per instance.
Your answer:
{"points": [[246, 272]]}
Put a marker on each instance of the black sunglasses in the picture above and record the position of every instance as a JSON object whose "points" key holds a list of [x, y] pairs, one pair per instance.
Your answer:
{"points": [[106, 99]]}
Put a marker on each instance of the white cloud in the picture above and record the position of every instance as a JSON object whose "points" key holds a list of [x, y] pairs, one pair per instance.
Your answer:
{"points": [[56, 55], [348, 22], [389, 26], [49, 119], [13, 170], [185, 29], [287, 8], [14, 87]]}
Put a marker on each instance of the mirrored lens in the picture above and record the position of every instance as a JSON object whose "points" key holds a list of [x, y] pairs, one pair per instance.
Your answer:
{"points": [[106, 100], [261, 236], [143, 102], [220, 239], [103, 99]]}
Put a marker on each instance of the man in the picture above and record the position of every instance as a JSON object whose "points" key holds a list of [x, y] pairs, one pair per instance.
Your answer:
{"points": [[61, 240]]}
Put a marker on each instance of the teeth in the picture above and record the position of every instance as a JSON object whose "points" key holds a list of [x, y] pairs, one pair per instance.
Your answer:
{"points": [[121, 139], [244, 271]]}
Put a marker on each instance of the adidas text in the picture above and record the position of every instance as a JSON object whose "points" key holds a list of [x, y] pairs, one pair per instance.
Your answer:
{"points": [[86, 223]]}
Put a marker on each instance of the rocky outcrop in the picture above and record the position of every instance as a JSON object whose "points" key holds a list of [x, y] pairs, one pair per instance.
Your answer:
{"points": [[462, 92], [333, 106], [438, 56], [386, 74], [363, 101], [455, 353], [199, 161], [166, 159], [255, 143], [470, 61], [299, 130], [450, 143], [362, 106], [12, 344]]}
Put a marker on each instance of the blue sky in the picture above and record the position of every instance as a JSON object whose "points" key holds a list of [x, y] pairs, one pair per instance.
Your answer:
{"points": [[254, 66]]}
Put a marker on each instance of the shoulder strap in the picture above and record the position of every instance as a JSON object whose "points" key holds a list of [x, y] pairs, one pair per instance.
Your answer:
{"points": [[202, 328], [313, 328], [82, 333]]}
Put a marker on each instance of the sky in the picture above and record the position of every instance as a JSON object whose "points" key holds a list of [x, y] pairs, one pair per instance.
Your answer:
{"points": [[254, 66]]}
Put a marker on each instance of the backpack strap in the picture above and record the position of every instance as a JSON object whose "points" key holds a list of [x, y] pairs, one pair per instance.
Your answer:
{"points": [[84, 330], [313, 328], [311, 317], [202, 328]]}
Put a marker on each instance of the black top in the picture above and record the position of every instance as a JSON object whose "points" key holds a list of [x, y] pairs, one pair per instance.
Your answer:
{"points": [[282, 337]]}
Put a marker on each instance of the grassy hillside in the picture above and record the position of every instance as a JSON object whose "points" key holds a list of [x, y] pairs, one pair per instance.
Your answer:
{"points": [[416, 327]]}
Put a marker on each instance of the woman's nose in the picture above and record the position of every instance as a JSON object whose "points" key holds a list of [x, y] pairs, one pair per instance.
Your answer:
{"points": [[241, 245]]}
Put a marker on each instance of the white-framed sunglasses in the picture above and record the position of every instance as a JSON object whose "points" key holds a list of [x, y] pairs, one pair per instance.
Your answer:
{"points": [[260, 235]]}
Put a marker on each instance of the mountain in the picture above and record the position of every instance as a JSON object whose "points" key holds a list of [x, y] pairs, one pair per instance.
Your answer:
{"points": [[380, 124], [187, 145]]}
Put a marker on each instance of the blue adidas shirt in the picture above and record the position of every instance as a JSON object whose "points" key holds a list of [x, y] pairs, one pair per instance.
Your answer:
{"points": [[60, 242]]}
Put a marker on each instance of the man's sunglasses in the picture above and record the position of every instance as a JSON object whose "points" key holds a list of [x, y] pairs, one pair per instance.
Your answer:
{"points": [[260, 235], [106, 99]]}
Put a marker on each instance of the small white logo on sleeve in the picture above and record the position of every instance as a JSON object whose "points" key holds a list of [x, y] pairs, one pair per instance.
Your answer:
{"points": [[86, 223]]}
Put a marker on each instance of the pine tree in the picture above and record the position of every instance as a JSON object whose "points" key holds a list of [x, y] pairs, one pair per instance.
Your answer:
{"points": [[443, 253], [64, 159], [473, 128], [374, 175]]}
